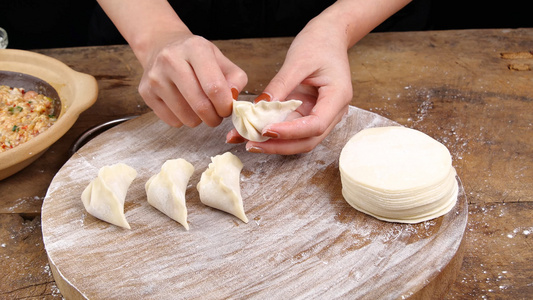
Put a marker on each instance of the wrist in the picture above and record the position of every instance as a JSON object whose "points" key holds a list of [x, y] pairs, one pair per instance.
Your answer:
{"points": [[336, 22], [144, 24], [145, 42], [353, 19]]}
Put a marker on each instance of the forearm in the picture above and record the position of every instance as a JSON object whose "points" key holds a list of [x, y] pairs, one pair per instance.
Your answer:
{"points": [[143, 22], [351, 20]]}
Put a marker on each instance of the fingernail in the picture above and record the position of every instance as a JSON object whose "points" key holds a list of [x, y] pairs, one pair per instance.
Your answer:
{"points": [[254, 149], [263, 97], [271, 134], [235, 93], [236, 139]]}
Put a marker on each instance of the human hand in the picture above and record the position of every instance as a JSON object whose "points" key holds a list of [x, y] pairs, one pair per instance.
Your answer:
{"points": [[316, 71], [187, 80]]}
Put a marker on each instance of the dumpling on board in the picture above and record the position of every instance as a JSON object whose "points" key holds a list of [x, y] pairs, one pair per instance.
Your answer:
{"points": [[166, 190], [250, 119], [219, 186], [104, 197]]}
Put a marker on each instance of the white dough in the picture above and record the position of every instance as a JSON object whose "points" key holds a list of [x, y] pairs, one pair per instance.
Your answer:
{"points": [[166, 190], [219, 185], [398, 174], [250, 119], [104, 197]]}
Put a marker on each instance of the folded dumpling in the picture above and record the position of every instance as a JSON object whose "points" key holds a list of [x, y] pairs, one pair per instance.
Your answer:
{"points": [[219, 185], [166, 190], [104, 197], [249, 119]]}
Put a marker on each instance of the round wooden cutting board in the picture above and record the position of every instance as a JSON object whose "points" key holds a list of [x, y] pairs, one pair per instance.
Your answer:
{"points": [[303, 239]]}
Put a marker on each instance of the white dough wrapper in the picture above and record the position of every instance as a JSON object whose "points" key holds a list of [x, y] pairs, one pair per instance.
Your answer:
{"points": [[250, 119], [398, 174], [104, 197], [219, 186], [166, 190]]}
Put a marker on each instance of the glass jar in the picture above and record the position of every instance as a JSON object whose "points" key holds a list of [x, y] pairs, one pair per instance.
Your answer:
{"points": [[3, 38]]}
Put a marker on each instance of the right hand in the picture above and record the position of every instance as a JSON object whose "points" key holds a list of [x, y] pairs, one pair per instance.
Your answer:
{"points": [[187, 80]]}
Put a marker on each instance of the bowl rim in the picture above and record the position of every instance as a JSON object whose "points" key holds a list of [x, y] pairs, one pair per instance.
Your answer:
{"points": [[86, 89]]}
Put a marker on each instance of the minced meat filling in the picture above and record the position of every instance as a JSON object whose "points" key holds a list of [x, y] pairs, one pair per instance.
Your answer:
{"points": [[23, 115]]}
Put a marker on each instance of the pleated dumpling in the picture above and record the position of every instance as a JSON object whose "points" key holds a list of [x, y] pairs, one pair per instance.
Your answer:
{"points": [[219, 186], [166, 190], [249, 119], [104, 197]]}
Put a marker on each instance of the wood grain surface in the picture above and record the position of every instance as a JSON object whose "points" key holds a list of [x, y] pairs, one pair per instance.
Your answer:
{"points": [[454, 85], [303, 240]]}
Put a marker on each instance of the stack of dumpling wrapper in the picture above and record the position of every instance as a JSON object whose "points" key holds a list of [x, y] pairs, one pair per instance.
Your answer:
{"points": [[398, 174]]}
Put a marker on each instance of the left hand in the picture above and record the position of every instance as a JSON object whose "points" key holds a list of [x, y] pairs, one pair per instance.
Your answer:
{"points": [[317, 72]]}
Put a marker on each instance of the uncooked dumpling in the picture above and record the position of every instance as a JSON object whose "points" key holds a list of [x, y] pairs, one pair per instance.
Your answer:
{"points": [[219, 185], [166, 190], [249, 119], [398, 174], [104, 197]]}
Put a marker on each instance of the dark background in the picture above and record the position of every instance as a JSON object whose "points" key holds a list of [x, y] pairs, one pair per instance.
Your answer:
{"points": [[37, 24]]}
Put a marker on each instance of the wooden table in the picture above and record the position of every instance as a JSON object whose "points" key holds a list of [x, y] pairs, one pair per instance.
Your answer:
{"points": [[461, 87]]}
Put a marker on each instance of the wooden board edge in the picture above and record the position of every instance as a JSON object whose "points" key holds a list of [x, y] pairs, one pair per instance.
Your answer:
{"points": [[68, 291], [441, 284]]}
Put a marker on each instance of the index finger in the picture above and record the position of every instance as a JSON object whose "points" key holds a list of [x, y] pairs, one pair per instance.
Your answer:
{"points": [[291, 146], [217, 78], [316, 123]]}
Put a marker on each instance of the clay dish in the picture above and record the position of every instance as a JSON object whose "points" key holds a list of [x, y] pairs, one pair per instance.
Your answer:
{"points": [[73, 92]]}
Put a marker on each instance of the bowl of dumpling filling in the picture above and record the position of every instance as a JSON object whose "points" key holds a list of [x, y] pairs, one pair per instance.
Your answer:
{"points": [[40, 99]]}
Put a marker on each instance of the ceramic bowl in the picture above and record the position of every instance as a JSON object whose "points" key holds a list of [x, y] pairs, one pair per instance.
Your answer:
{"points": [[76, 92]]}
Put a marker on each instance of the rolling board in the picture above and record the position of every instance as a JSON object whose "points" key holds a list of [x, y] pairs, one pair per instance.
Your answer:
{"points": [[303, 240]]}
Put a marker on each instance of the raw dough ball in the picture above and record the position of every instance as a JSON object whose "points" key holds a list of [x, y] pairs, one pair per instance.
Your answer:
{"points": [[104, 197], [249, 119], [398, 174]]}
